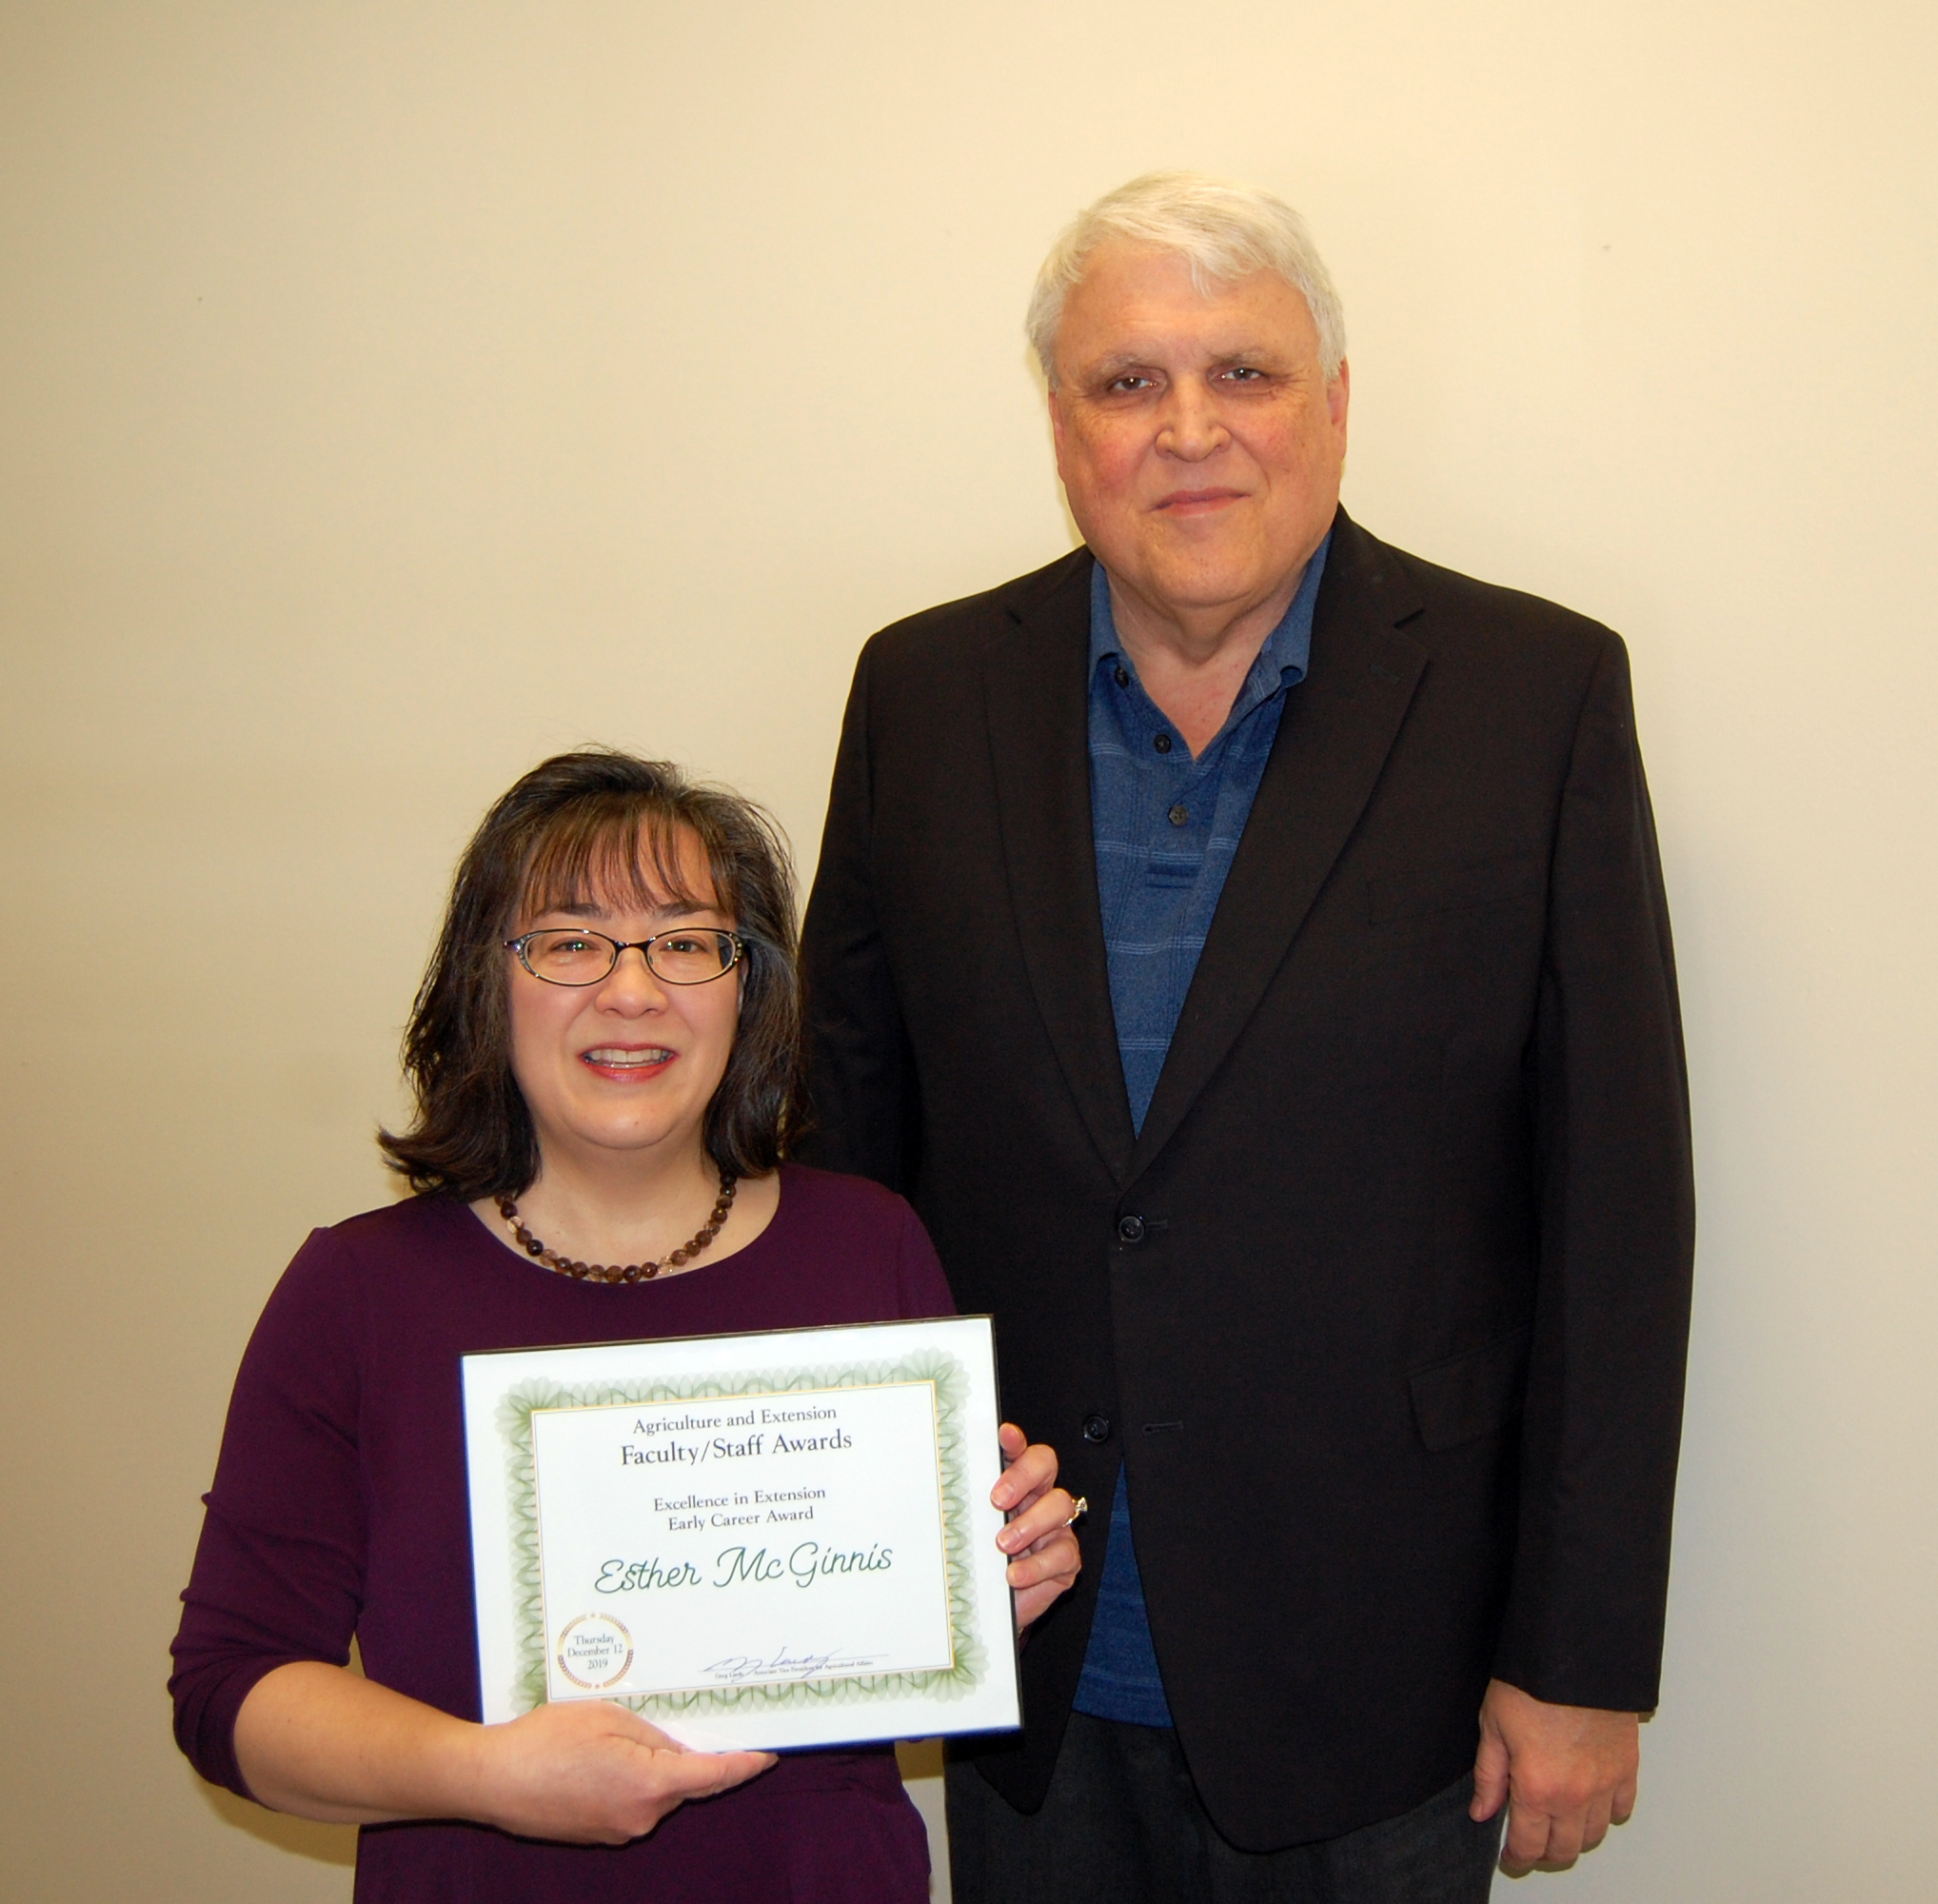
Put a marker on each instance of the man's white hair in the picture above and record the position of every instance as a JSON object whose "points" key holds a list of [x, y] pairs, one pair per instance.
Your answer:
{"points": [[1222, 230]]}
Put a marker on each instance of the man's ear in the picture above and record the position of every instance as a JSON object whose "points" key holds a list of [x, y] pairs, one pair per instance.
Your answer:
{"points": [[1057, 422], [1338, 394]]}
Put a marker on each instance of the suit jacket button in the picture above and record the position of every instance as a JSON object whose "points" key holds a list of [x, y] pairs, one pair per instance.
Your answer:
{"points": [[1130, 1229], [1097, 1427]]}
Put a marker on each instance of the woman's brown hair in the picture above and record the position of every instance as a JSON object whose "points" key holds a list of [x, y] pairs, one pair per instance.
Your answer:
{"points": [[596, 824]]}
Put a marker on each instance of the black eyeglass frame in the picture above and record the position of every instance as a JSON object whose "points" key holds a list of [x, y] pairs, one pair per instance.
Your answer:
{"points": [[620, 948]]}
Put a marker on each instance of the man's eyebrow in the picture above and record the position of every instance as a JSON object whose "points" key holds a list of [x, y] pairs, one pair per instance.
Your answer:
{"points": [[1251, 351], [1248, 352]]}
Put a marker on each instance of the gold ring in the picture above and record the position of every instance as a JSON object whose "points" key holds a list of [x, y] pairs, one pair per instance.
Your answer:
{"points": [[1078, 1509]]}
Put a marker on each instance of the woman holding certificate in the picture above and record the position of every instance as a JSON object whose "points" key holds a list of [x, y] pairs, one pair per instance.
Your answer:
{"points": [[604, 1057]]}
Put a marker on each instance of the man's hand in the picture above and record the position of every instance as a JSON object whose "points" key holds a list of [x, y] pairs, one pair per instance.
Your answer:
{"points": [[1566, 1772]]}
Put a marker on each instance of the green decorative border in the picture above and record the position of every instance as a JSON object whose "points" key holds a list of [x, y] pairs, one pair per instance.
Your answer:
{"points": [[950, 1380]]}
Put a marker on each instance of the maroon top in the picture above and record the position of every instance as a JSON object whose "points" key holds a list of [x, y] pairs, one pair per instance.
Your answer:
{"points": [[339, 1508]]}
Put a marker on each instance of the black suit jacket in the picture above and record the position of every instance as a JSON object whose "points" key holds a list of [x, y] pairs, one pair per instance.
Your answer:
{"points": [[1385, 1309]]}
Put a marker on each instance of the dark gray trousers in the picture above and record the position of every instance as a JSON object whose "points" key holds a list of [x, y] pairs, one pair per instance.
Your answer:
{"points": [[1122, 1824]]}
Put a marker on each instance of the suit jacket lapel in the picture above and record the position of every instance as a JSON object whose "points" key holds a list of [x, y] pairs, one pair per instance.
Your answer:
{"points": [[1037, 692], [1337, 727]]}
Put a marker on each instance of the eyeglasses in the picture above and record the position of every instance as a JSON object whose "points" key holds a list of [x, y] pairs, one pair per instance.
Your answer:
{"points": [[688, 954]]}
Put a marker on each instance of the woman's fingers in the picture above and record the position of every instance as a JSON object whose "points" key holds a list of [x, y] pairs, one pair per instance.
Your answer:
{"points": [[1053, 1556], [700, 1775], [1044, 1513], [660, 1779], [1037, 1536], [1039, 1577], [593, 1773], [1029, 1468]]}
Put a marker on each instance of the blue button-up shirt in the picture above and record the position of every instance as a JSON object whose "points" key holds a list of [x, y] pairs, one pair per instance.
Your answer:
{"points": [[1166, 826]]}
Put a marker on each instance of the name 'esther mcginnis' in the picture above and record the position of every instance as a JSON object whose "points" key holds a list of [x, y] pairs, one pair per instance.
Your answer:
{"points": [[807, 1563]]}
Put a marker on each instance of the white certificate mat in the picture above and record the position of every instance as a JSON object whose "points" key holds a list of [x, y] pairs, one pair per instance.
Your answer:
{"points": [[767, 1540]]}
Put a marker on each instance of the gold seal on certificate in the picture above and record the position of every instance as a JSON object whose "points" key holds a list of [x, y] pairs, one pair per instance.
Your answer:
{"points": [[594, 1651], [752, 1540]]}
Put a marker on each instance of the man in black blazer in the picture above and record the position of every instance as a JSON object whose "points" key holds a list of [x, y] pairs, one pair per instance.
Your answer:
{"points": [[1245, 944]]}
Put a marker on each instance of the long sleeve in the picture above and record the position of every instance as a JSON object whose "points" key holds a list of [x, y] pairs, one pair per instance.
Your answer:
{"points": [[279, 1570], [1616, 1212], [922, 1290], [860, 1077]]}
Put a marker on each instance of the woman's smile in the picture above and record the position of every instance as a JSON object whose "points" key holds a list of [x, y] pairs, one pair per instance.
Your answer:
{"points": [[627, 1063]]}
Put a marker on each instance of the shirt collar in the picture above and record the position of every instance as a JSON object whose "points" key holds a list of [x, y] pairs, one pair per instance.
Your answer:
{"points": [[1281, 662]]}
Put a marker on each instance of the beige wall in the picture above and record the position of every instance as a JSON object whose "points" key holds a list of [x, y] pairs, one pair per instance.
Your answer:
{"points": [[390, 394]]}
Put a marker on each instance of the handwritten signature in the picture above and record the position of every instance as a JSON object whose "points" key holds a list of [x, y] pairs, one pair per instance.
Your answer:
{"points": [[739, 1666]]}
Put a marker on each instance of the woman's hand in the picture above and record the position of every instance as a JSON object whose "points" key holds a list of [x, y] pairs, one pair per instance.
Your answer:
{"points": [[1044, 1561], [326, 1743], [594, 1774]]}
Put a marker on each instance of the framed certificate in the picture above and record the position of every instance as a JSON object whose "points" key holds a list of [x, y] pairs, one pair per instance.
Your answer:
{"points": [[762, 1541]]}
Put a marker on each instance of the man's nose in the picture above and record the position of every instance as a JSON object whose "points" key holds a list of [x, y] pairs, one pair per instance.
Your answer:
{"points": [[1191, 428]]}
